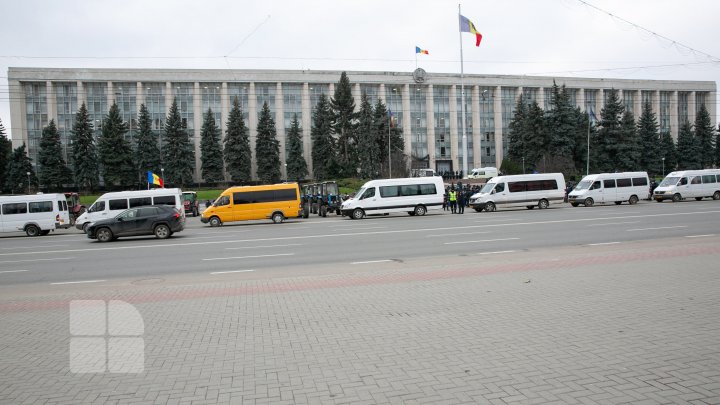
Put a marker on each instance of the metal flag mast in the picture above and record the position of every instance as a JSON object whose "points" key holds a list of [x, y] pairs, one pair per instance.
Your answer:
{"points": [[462, 103]]}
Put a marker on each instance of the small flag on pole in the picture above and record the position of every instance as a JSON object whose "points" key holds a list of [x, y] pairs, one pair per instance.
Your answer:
{"points": [[592, 116], [423, 51], [155, 179], [390, 117], [467, 26]]}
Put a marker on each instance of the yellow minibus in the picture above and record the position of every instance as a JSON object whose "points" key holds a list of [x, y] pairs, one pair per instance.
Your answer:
{"points": [[274, 201]]}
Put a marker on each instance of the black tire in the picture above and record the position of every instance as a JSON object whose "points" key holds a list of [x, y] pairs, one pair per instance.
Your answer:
{"points": [[574, 204], [676, 198], [618, 202], [306, 212], [490, 207], [530, 207], [420, 210], [698, 198], [358, 213], [278, 217], [338, 211], [195, 212], [162, 231], [589, 202], [543, 204], [411, 213], [104, 235], [32, 230], [477, 209], [716, 195], [633, 200], [85, 227], [215, 222], [45, 232], [323, 211]]}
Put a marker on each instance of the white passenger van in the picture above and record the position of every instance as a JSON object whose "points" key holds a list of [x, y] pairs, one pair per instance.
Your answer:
{"points": [[483, 173], [415, 195], [529, 190], [111, 204], [36, 214], [607, 188], [696, 184]]}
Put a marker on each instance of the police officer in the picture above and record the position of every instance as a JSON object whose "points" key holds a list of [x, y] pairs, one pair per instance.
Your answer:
{"points": [[453, 199]]}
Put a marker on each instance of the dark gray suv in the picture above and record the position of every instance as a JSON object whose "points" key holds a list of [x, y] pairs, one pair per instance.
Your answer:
{"points": [[159, 220]]}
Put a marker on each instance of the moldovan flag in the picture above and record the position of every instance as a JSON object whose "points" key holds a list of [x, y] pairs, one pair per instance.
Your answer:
{"points": [[467, 26], [155, 179], [423, 51]]}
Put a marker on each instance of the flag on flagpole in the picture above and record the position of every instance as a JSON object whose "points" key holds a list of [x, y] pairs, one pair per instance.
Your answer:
{"points": [[390, 117], [155, 179], [591, 115], [467, 26], [423, 51]]}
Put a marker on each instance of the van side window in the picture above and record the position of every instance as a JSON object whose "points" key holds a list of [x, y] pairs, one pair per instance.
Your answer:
{"points": [[223, 200], [164, 200], [428, 189], [624, 183], [119, 204], [99, 206], [639, 181], [387, 191], [41, 206], [683, 181], [140, 201], [500, 188], [14, 208], [369, 193], [596, 186], [609, 183], [708, 179], [517, 186], [696, 180]]}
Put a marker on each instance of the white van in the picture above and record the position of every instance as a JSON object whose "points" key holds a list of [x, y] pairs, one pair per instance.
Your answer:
{"points": [[415, 195], [529, 190], [606, 188], [111, 204], [35, 215], [483, 173], [696, 184]]}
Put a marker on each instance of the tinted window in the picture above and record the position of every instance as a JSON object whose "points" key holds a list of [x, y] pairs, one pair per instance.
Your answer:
{"points": [[147, 212], [707, 179], [129, 214], [164, 200], [517, 186], [624, 182], [99, 206], [426, 189], [683, 181], [140, 201], [500, 188], [14, 208], [639, 181], [596, 185], [389, 191], [42, 206], [118, 204], [264, 196], [550, 185], [288, 194], [696, 180], [609, 183], [410, 190], [369, 193], [223, 200]]}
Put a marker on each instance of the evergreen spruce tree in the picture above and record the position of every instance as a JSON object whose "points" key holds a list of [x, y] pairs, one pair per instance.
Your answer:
{"points": [[669, 152], [687, 149], [178, 152], [115, 152], [5, 155], [562, 127], [343, 106], [267, 148], [518, 132], [536, 140], [84, 152], [237, 152], [368, 152], [16, 175], [385, 128], [717, 148], [647, 128], [147, 153], [628, 148], [609, 134], [53, 171], [705, 138], [583, 132], [323, 143], [210, 151], [296, 165]]}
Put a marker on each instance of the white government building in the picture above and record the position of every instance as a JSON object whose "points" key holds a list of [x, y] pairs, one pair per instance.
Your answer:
{"points": [[420, 102]]}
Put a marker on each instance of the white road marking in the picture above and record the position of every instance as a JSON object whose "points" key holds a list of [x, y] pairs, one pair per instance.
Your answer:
{"points": [[479, 241], [231, 271], [494, 253], [359, 227], [372, 261], [266, 246], [12, 271], [615, 223], [700, 236], [78, 282], [603, 243], [32, 247], [653, 229], [455, 234], [247, 257], [37, 260]]}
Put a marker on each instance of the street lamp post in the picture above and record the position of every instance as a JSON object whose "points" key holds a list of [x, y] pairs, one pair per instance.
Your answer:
{"points": [[523, 164], [28, 174], [162, 173], [663, 160]]}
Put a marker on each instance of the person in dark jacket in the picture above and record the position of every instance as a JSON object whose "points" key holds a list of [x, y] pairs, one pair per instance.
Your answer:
{"points": [[461, 202]]}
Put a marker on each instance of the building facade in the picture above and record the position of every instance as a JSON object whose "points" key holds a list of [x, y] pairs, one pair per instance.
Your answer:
{"points": [[427, 106]]}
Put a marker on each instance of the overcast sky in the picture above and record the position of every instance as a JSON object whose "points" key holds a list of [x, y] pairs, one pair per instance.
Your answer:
{"points": [[556, 38]]}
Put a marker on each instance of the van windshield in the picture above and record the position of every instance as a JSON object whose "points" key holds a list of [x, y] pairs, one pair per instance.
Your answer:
{"points": [[360, 193], [583, 185], [669, 181], [487, 188]]}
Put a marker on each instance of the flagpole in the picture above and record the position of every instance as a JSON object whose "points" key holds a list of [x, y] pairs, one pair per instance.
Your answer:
{"points": [[462, 94], [389, 155], [587, 170]]}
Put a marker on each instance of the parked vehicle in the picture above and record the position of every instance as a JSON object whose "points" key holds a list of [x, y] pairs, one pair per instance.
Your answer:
{"points": [[159, 220], [330, 200], [36, 214], [74, 206], [529, 190], [191, 204], [697, 184], [415, 195], [422, 173], [275, 201], [483, 173], [111, 204], [607, 188]]}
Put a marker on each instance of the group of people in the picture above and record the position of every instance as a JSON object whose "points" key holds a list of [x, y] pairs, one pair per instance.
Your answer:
{"points": [[450, 175], [457, 198]]}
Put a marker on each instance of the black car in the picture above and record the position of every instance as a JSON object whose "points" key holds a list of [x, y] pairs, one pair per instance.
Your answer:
{"points": [[159, 220]]}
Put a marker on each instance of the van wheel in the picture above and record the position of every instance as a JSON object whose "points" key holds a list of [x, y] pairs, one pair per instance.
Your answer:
{"points": [[543, 204], [490, 207], [85, 227], [633, 200], [698, 198], [574, 204], [716, 196], [278, 217], [104, 235], [358, 213], [676, 198], [589, 202], [420, 210], [45, 232], [215, 221], [162, 231], [32, 230]]}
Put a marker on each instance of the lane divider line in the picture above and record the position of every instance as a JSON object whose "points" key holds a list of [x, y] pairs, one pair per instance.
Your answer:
{"points": [[266, 246], [231, 271], [653, 229], [373, 261], [478, 241], [615, 223], [493, 253], [247, 257], [700, 236], [12, 271], [37, 260], [78, 282], [603, 243]]}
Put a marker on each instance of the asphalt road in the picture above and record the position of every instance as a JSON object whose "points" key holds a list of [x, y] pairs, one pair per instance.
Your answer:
{"points": [[336, 244]]}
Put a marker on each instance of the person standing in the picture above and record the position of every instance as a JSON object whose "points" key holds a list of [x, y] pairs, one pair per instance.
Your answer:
{"points": [[461, 202], [453, 200]]}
